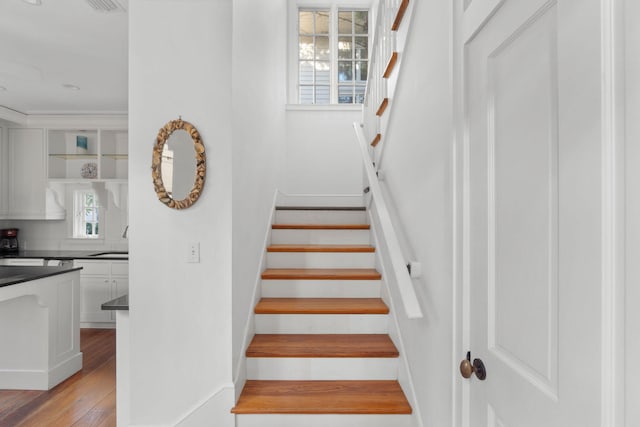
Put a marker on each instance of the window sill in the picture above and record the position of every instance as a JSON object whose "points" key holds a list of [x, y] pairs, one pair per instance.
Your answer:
{"points": [[324, 107]]}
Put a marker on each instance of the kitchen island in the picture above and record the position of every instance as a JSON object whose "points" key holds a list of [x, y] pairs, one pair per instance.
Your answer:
{"points": [[39, 326]]}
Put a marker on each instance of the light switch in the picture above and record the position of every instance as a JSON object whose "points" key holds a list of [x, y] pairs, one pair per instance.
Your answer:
{"points": [[193, 252]]}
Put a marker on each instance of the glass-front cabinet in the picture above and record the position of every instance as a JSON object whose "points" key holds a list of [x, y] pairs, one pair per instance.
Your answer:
{"points": [[78, 155]]}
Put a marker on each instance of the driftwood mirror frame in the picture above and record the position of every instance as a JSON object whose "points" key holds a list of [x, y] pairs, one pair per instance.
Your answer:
{"points": [[156, 164]]}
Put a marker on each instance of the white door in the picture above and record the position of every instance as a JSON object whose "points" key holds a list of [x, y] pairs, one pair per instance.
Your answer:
{"points": [[533, 108]]}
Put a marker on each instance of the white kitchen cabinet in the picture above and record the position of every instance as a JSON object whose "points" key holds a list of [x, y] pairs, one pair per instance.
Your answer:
{"points": [[94, 291], [28, 194], [100, 281]]}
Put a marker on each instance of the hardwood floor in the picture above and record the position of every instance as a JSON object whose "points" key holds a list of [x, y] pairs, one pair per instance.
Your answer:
{"points": [[88, 398]]}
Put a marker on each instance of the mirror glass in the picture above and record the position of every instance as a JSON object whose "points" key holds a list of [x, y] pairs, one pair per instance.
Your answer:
{"points": [[178, 166]]}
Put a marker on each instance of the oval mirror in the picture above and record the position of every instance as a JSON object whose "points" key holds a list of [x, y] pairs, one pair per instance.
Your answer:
{"points": [[178, 174]]}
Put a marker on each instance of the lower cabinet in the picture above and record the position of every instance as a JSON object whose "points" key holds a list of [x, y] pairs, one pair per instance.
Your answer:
{"points": [[100, 281]]}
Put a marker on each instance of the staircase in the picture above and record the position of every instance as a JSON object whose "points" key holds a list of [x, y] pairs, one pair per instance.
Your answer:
{"points": [[321, 354]]}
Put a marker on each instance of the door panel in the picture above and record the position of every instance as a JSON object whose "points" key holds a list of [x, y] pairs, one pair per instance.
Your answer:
{"points": [[522, 173], [532, 107]]}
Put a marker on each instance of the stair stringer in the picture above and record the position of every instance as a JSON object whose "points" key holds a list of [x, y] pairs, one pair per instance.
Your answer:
{"points": [[240, 376], [383, 265], [213, 407]]}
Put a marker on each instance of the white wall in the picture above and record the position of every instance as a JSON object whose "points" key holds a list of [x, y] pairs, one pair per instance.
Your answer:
{"points": [[259, 65], [180, 317], [417, 162], [632, 160], [322, 155]]}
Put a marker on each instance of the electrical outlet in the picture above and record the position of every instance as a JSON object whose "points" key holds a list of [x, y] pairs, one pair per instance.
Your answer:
{"points": [[193, 252]]}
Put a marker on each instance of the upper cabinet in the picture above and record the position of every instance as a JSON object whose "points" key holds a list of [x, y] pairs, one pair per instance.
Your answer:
{"points": [[40, 162], [78, 155], [29, 197]]}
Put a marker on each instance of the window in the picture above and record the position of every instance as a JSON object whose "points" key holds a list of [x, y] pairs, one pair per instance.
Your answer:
{"points": [[353, 55], [332, 54], [86, 214]]}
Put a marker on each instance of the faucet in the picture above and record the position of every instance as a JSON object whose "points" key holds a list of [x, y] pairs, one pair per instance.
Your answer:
{"points": [[124, 233]]}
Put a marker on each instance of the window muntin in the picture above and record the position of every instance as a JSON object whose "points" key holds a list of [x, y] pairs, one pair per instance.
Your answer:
{"points": [[332, 55]]}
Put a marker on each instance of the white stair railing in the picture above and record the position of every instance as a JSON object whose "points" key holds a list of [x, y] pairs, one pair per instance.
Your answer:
{"points": [[400, 270], [392, 17]]}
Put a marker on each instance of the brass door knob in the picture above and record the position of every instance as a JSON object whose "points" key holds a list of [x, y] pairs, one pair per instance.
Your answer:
{"points": [[467, 368]]}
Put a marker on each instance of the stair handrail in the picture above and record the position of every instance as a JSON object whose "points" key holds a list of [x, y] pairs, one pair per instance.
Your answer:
{"points": [[400, 270]]}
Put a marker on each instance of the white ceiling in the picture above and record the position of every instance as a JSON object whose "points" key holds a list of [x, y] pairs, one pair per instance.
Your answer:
{"points": [[63, 42]]}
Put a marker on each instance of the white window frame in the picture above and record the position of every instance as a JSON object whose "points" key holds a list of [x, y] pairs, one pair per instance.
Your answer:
{"points": [[292, 47], [77, 222]]}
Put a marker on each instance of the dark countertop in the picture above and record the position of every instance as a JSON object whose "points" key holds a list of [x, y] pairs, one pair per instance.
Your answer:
{"points": [[120, 303], [12, 275], [67, 255]]}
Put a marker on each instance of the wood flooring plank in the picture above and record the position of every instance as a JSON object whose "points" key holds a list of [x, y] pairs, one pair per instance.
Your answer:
{"points": [[102, 414], [322, 397], [64, 409], [321, 248], [321, 306], [41, 408], [321, 345], [321, 274]]}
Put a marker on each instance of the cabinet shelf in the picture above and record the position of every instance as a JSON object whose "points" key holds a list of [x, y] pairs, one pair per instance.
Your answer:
{"points": [[68, 156], [116, 156], [107, 148]]}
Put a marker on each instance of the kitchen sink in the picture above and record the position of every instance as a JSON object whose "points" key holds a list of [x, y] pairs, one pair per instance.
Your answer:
{"points": [[110, 255]]}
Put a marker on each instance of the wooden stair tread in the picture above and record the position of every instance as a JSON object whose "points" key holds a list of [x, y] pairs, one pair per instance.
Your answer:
{"points": [[320, 248], [321, 226], [376, 140], [321, 274], [322, 345], [321, 306], [322, 397], [390, 65], [399, 15]]}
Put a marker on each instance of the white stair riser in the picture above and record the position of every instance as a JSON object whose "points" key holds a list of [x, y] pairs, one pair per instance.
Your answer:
{"points": [[320, 237], [320, 260], [321, 323], [321, 288], [320, 217], [315, 369], [333, 420]]}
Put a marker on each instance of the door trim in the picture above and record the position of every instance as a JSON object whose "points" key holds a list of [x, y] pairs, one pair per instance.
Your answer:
{"points": [[613, 214]]}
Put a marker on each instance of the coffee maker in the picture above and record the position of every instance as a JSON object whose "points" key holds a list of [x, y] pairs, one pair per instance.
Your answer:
{"points": [[8, 240]]}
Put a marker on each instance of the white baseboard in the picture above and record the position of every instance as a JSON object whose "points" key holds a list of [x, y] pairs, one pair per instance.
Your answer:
{"points": [[64, 370], [97, 325], [15, 379]]}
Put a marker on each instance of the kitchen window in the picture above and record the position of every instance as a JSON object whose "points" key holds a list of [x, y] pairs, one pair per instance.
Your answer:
{"points": [[329, 52], [86, 214]]}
